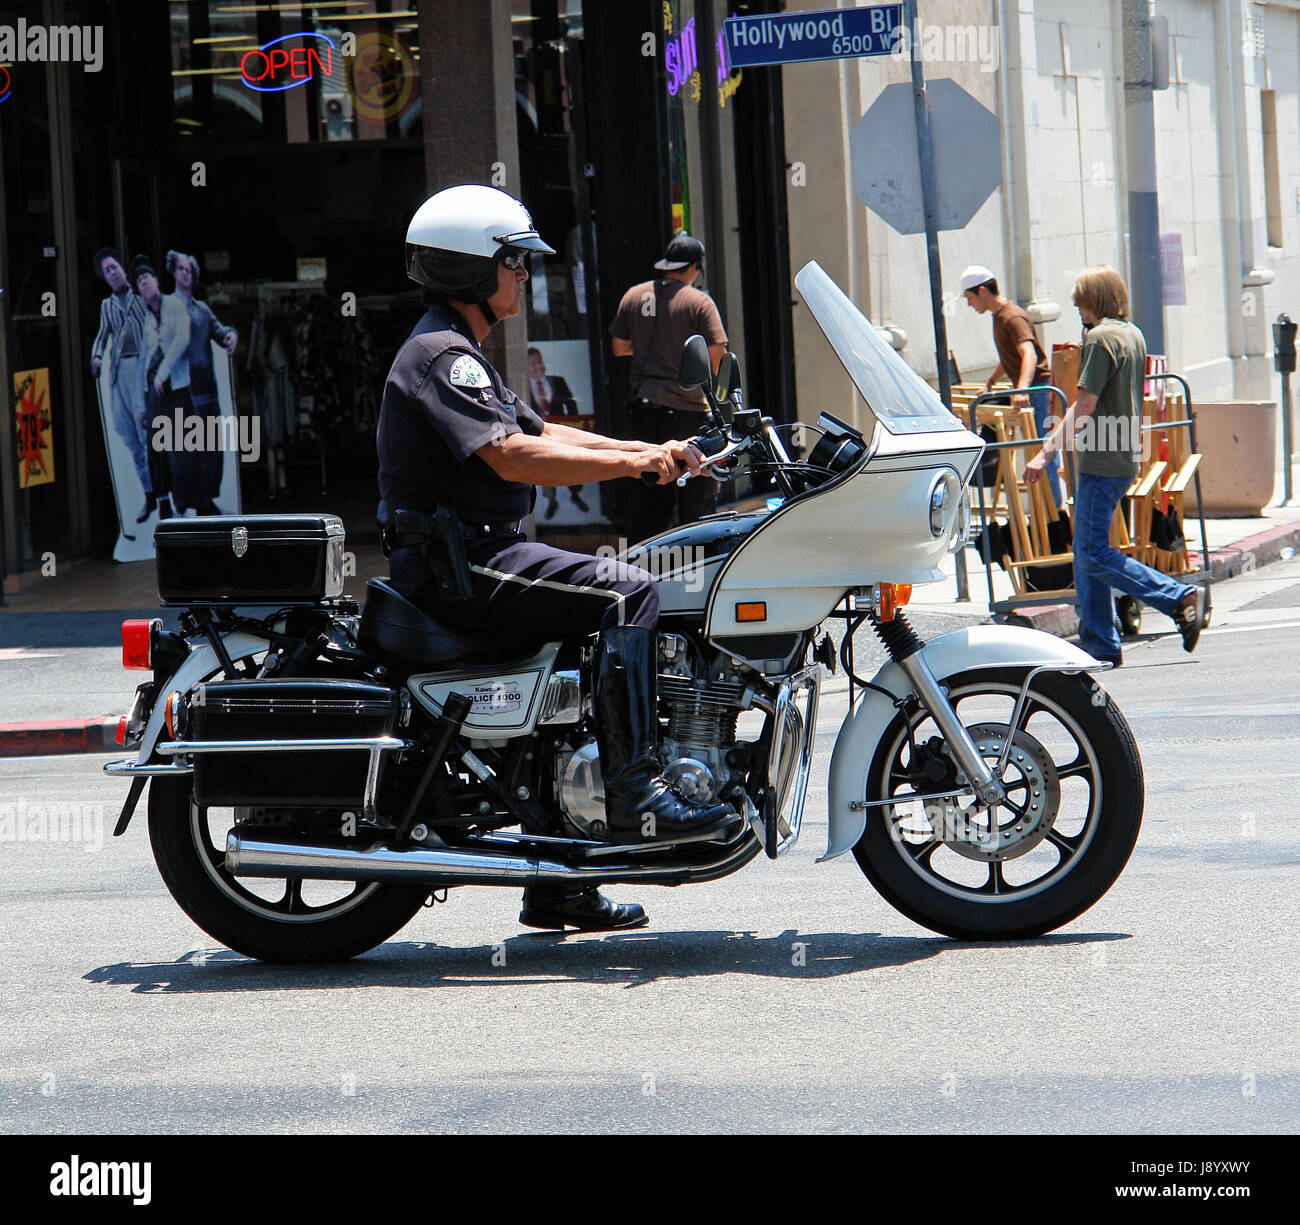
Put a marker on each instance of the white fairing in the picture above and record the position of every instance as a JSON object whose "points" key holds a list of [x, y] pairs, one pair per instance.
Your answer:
{"points": [[980, 646], [507, 698], [686, 588], [873, 526]]}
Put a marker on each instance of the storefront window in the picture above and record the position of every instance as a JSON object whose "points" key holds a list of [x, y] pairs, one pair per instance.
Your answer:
{"points": [[547, 38], [342, 70], [701, 146], [37, 404]]}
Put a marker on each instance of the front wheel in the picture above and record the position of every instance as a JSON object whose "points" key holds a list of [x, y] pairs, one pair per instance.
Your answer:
{"points": [[1074, 797], [272, 920]]}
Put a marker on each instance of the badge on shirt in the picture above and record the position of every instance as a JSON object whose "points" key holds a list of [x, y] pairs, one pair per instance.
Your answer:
{"points": [[468, 372]]}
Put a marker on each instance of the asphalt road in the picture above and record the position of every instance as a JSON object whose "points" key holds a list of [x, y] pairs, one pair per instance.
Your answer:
{"points": [[1171, 1006]]}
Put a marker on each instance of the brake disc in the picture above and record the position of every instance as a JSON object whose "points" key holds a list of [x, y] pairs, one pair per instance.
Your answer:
{"points": [[998, 832]]}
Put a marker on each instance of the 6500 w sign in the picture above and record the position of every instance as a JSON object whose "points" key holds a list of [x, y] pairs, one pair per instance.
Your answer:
{"points": [[285, 64], [789, 38]]}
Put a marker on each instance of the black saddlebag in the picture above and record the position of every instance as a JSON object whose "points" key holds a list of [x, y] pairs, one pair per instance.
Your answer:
{"points": [[249, 559], [271, 711]]}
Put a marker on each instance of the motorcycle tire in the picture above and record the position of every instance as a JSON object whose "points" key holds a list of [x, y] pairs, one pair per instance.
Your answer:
{"points": [[195, 874], [1113, 775]]}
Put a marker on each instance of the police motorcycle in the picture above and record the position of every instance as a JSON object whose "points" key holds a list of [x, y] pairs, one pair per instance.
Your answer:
{"points": [[321, 772]]}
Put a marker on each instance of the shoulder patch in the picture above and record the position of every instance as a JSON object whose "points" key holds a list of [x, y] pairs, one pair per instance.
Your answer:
{"points": [[468, 372]]}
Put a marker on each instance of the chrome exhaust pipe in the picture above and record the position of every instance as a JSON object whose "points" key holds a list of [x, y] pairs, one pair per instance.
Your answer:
{"points": [[445, 865], [441, 865]]}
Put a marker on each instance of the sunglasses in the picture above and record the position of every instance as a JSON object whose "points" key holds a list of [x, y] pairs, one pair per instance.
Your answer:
{"points": [[514, 260]]}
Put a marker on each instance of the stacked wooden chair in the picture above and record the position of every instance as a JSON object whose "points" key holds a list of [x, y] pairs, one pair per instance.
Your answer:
{"points": [[1168, 466], [1033, 535], [1023, 518]]}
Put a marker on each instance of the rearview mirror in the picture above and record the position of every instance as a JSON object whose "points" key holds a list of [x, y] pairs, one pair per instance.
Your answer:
{"points": [[696, 369], [728, 376]]}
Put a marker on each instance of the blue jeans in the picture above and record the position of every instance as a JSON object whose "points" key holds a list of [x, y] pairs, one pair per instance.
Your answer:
{"points": [[1044, 405], [1099, 566]]}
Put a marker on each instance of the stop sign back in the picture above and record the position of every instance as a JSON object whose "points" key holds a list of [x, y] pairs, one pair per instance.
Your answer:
{"points": [[967, 156]]}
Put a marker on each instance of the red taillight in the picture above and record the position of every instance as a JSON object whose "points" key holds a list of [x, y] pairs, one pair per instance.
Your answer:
{"points": [[135, 643], [121, 730]]}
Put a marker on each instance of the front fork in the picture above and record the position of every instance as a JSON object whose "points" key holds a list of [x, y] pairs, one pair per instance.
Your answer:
{"points": [[965, 754], [904, 646]]}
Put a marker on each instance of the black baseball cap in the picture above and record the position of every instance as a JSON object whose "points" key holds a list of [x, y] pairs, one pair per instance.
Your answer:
{"points": [[682, 252]]}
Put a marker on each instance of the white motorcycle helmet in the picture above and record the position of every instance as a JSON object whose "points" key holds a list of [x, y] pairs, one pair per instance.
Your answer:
{"points": [[456, 237]]}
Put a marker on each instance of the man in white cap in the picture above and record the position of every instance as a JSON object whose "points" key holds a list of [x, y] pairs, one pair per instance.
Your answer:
{"points": [[1020, 356]]}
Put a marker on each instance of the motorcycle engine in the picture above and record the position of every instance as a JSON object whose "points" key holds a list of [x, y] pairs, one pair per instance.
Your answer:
{"points": [[703, 700]]}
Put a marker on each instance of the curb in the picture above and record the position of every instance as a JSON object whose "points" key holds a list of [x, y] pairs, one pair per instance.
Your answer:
{"points": [[58, 736], [1245, 555]]}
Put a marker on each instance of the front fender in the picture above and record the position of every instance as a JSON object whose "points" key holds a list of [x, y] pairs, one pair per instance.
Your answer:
{"points": [[200, 662], [980, 646]]}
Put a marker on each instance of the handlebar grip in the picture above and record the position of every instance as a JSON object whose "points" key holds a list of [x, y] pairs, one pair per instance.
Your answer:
{"points": [[650, 481]]}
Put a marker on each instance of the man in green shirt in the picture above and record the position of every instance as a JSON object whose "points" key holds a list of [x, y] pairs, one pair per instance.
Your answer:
{"points": [[1104, 424]]}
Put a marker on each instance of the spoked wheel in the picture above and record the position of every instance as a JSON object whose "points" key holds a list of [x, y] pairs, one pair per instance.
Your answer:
{"points": [[1074, 797], [272, 920]]}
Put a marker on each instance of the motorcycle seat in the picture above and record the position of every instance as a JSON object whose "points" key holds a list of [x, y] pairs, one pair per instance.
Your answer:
{"points": [[392, 625]]}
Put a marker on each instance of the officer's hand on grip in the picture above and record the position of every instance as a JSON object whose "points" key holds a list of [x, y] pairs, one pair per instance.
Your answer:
{"points": [[661, 465]]}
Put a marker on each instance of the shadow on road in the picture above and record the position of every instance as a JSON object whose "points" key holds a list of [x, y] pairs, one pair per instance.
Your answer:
{"points": [[629, 959]]}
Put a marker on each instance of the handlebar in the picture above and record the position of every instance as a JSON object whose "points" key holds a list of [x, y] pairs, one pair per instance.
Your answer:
{"points": [[715, 460]]}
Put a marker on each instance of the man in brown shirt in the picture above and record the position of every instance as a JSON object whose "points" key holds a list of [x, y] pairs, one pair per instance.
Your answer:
{"points": [[654, 320], [1020, 356]]}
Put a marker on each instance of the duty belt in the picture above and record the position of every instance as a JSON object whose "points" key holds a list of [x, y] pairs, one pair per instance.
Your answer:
{"points": [[511, 527], [471, 531]]}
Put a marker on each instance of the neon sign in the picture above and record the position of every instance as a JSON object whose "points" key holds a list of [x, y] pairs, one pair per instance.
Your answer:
{"points": [[682, 60], [5, 89], [302, 63]]}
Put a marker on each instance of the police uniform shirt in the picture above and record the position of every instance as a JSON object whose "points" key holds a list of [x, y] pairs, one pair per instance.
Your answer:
{"points": [[442, 403]]}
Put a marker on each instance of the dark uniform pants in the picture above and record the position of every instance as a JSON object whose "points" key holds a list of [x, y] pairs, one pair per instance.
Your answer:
{"points": [[654, 507], [532, 590]]}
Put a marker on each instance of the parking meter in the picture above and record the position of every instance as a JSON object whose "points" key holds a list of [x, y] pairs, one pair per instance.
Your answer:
{"points": [[1284, 331]]}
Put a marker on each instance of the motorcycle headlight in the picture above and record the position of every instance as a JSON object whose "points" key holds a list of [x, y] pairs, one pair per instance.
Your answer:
{"points": [[938, 506], [961, 537]]}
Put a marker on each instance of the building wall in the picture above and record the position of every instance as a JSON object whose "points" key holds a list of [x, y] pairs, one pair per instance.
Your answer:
{"points": [[1058, 91]]}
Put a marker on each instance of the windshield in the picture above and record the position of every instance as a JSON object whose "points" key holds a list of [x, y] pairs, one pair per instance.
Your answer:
{"points": [[903, 401]]}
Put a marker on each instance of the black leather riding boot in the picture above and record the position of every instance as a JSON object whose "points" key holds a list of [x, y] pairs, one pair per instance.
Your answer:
{"points": [[640, 805]]}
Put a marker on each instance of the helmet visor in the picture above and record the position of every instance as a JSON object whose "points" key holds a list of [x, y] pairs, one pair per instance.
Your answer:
{"points": [[527, 239]]}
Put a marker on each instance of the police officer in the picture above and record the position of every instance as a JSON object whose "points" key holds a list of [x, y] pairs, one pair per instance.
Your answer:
{"points": [[452, 435]]}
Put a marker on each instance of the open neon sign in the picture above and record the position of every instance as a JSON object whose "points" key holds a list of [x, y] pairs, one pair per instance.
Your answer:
{"points": [[273, 63]]}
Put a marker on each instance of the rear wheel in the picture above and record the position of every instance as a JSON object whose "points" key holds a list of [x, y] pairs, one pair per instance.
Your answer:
{"points": [[1074, 788], [272, 920]]}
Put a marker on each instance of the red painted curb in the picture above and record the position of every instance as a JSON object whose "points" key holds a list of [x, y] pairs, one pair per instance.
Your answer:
{"points": [[58, 736]]}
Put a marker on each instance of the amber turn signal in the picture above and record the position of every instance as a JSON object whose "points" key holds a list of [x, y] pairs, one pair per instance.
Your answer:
{"points": [[892, 597], [751, 612], [172, 714]]}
